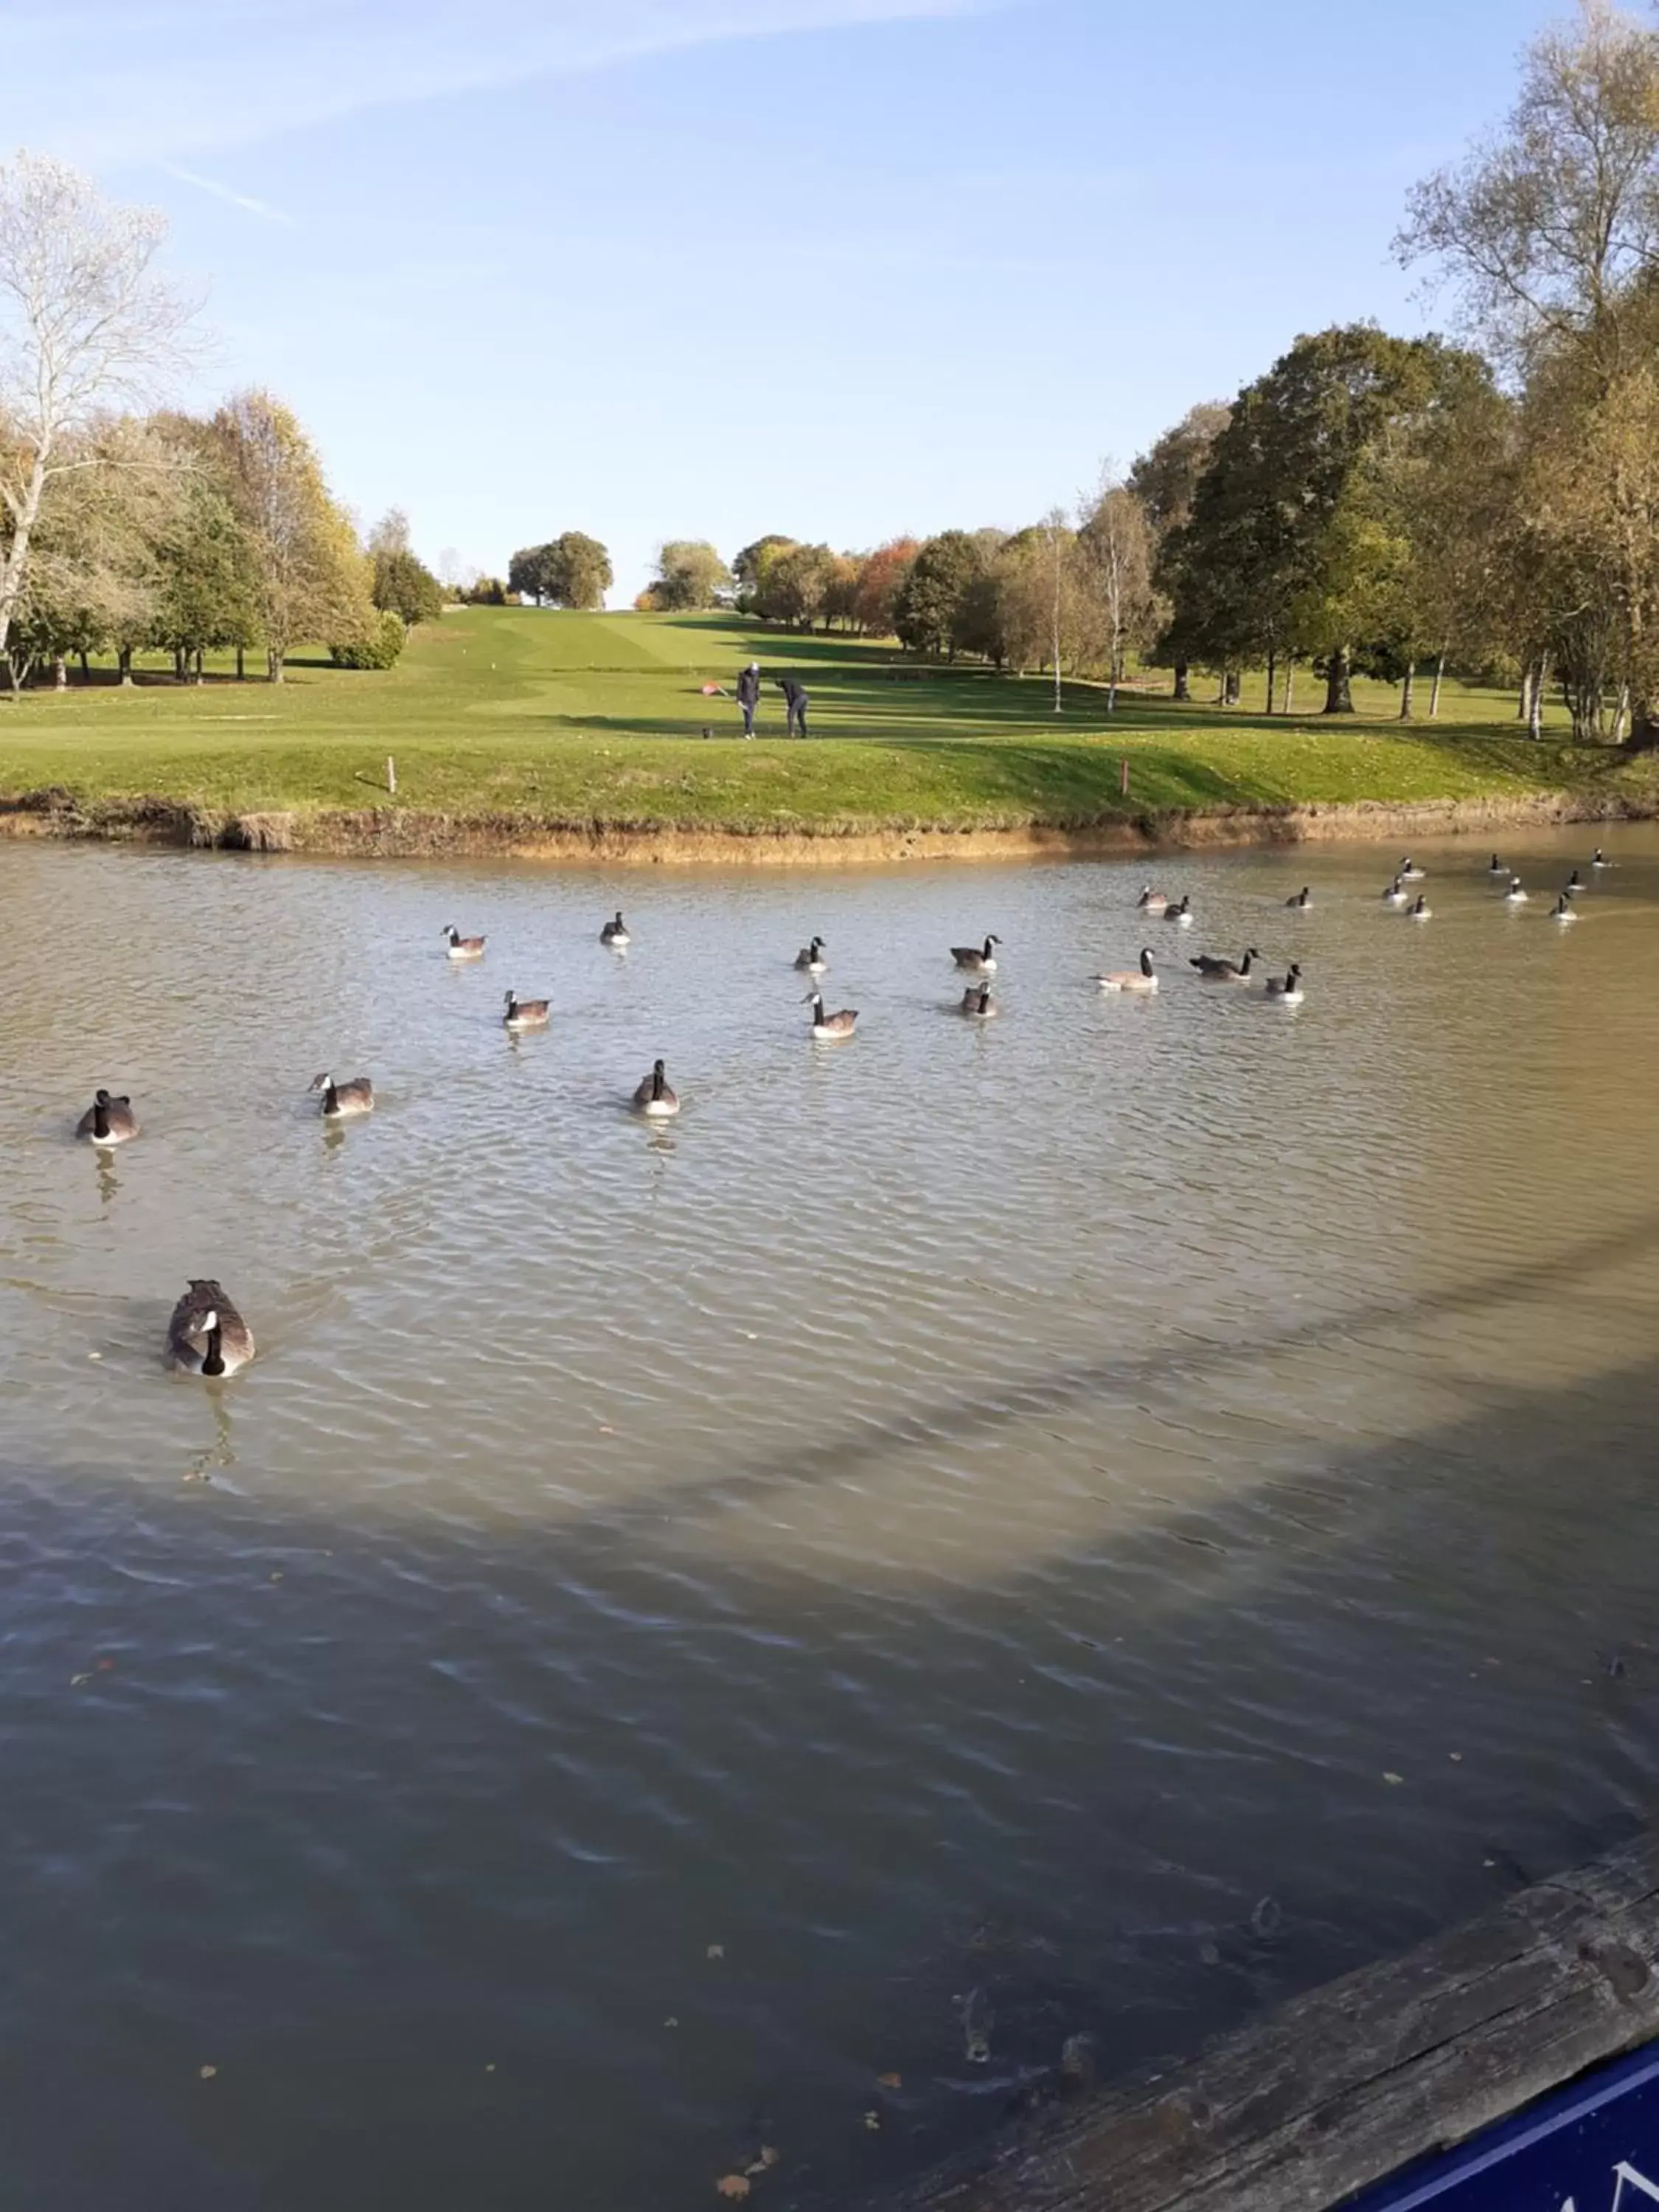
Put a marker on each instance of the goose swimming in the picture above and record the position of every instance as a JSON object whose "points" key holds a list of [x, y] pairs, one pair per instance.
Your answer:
{"points": [[978, 961], [525, 1013], [1516, 895], [1396, 894], [1302, 900], [1421, 910], [977, 1003], [1151, 901], [462, 948], [342, 1100], [1410, 873], [1144, 978], [108, 1120], [615, 932], [1211, 970], [1287, 991], [653, 1096], [206, 1335], [1182, 915], [811, 957], [829, 1025]]}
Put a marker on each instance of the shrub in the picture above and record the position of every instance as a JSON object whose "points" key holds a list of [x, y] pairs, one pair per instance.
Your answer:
{"points": [[379, 649]]}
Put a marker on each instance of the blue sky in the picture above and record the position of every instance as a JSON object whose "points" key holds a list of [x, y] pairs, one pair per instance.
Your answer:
{"points": [[707, 268]]}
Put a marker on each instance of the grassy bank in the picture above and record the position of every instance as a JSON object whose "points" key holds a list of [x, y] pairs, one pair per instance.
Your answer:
{"points": [[584, 720]]}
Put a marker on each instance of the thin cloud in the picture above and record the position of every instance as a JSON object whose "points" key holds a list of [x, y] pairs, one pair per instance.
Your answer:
{"points": [[119, 83], [245, 201]]}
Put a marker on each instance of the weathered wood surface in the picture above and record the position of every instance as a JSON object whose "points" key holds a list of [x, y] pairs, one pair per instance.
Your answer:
{"points": [[1340, 2088]]}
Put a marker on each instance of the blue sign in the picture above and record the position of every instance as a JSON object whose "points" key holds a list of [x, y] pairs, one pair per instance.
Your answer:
{"points": [[1591, 2148]]}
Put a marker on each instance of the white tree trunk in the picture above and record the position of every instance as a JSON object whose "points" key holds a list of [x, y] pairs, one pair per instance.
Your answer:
{"points": [[25, 513]]}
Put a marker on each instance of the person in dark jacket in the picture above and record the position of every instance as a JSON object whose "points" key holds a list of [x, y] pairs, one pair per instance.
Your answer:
{"points": [[795, 700], [749, 695]]}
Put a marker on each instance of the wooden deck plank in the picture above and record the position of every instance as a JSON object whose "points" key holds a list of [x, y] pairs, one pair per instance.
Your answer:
{"points": [[1342, 2086]]}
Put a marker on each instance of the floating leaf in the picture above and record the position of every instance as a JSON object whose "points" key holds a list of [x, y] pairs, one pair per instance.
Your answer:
{"points": [[890, 2081], [1395, 1778], [76, 1680], [732, 2184], [208, 2073], [716, 1951], [763, 2163], [872, 2121], [670, 2021]]}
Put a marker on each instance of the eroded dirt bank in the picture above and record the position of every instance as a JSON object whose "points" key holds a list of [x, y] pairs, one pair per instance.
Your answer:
{"points": [[397, 833]]}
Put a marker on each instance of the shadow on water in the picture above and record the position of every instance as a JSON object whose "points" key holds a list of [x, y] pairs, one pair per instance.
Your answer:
{"points": [[321, 1823]]}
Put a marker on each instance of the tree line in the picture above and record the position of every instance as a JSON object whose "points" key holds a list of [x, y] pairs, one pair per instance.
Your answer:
{"points": [[127, 527]]}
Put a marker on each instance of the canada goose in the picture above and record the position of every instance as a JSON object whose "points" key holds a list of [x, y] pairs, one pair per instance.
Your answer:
{"points": [[977, 1003], [1303, 898], [1410, 873], [615, 933], [107, 1121], [1396, 894], [1287, 991], [206, 1334], [1144, 978], [1516, 895], [462, 948], [1496, 868], [1599, 859], [1563, 909], [980, 963], [1211, 970], [341, 1099], [811, 957], [1421, 910], [1182, 915], [525, 1013], [653, 1096], [1151, 901], [829, 1025]]}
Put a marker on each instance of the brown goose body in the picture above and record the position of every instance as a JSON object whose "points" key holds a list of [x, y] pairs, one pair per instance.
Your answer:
{"points": [[342, 1102], [525, 1013], [462, 948], [108, 1121], [206, 1334], [654, 1096], [978, 960], [840, 1025]]}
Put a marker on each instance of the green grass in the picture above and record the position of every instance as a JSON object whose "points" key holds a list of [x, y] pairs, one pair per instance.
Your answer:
{"points": [[584, 719]]}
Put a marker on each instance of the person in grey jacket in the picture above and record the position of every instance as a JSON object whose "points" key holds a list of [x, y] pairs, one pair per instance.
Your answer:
{"points": [[795, 700], [749, 695]]}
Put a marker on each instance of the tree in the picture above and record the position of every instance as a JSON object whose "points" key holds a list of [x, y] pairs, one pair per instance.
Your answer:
{"points": [[793, 585], [931, 606], [311, 580], [531, 573], [881, 579], [1165, 480], [1284, 550], [1548, 227], [402, 584], [690, 574], [1118, 546], [578, 572], [86, 328], [748, 565], [206, 584]]}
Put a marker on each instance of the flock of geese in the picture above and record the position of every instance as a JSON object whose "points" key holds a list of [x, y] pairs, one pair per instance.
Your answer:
{"points": [[207, 1335]]}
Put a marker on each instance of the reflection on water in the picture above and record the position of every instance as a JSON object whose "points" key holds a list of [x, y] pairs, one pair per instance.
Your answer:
{"points": [[984, 1534]]}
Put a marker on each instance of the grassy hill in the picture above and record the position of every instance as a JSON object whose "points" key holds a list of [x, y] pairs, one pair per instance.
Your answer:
{"points": [[584, 719]]}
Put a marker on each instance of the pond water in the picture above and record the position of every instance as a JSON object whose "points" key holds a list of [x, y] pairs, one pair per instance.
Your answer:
{"points": [[1082, 1523]]}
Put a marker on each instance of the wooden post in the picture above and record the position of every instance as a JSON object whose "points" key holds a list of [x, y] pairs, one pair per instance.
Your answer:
{"points": [[391, 775], [1123, 777], [1341, 2088]]}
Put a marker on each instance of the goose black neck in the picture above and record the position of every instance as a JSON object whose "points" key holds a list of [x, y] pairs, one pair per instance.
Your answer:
{"points": [[658, 1081], [213, 1360], [100, 1115], [1145, 963]]}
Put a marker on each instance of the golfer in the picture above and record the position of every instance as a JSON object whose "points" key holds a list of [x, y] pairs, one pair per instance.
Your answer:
{"points": [[749, 695], [795, 700]]}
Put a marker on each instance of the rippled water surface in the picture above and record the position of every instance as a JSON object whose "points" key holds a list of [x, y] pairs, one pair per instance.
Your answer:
{"points": [[1126, 1511]]}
